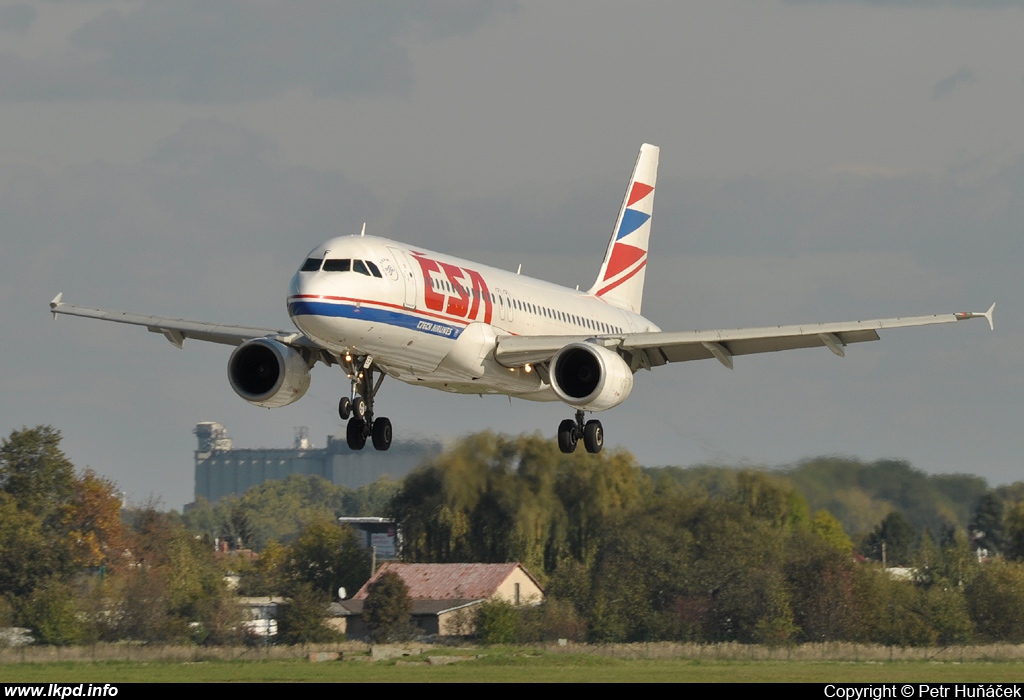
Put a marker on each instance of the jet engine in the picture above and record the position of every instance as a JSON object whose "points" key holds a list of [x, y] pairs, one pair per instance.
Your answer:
{"points": [[267, 373], [590, 377]]}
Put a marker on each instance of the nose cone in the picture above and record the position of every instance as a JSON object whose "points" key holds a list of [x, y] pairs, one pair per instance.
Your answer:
{"points": [[301, 294], [296, 286]]}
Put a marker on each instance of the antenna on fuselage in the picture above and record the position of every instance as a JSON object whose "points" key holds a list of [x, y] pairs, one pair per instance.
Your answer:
{"points": [[363, 232], [520, 269]]}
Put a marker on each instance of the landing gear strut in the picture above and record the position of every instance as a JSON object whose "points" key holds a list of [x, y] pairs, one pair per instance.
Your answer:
{"points": [[570, 431], [358, 409]]}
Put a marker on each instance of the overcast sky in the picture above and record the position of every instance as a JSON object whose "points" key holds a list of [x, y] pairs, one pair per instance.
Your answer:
{"points": [[820, 161]]}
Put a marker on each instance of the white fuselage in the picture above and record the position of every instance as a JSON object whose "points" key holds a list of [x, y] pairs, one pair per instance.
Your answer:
{"points": [[432, 320]]}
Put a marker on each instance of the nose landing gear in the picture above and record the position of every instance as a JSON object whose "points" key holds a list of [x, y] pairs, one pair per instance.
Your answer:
{"points": [[358, 409], [570, 431]]}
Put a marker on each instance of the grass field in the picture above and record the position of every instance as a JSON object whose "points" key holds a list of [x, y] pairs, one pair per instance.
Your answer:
{"points": [[517, 665]]}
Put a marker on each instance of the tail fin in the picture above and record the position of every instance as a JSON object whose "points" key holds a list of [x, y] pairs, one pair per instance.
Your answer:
{"points": [[621, 279]]}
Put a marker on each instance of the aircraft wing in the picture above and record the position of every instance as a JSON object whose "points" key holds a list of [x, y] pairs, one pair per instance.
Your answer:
{"points": [[176, 330], [660, 348]]}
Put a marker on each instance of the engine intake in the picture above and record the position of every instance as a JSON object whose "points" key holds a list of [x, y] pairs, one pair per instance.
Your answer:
{"points": [[267, 373], [590, 377]]}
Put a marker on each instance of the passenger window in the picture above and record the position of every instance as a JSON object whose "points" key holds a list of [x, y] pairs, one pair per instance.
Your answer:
{"points": [[358, 266], [337, 265], [311, 265], [373, 269]]}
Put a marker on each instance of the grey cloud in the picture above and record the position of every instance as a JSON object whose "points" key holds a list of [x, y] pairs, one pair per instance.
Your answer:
{"points": [[963, 4], [212, 196], [201, 52], [964, 76], [17, 18]]}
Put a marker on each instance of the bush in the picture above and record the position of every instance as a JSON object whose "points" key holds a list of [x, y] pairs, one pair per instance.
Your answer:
{"points": [[497, 622], [387, 612]]}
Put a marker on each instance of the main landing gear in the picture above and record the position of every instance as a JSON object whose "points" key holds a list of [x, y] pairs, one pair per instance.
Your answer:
{"points": [[570, 431], [358, 409]]}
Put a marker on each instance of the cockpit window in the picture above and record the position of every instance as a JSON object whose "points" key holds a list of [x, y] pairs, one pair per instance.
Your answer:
{"points": [[337, 265], [363, 267], [311, 265]]}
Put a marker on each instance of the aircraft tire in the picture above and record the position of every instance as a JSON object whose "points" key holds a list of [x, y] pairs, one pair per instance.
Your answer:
{"points": [[345, 407], [359, 407], [567, 436], [593, 436], [381, 434], [355, 434]]}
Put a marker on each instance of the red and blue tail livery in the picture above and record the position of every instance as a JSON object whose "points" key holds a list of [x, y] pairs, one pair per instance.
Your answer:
{"points": [[621, 278]]}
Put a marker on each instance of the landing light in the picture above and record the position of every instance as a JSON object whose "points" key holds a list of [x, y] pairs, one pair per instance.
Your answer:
{"points": [[528, 368]]}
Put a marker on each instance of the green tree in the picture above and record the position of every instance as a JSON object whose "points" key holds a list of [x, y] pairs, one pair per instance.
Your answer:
{"points": [[995, 599], [1015, 531], [303, 620], [328, 556], [35, 472], [770, 499], [987, 529], [387, 609], [895, 538], [493, 498], [27, 551], [819, 570]]}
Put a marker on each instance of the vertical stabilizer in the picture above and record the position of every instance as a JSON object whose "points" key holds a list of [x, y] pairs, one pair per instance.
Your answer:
{"points": [[621, 279]]}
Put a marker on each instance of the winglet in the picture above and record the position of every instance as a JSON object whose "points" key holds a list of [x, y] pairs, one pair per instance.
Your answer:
{"points": [[54, 304], [988, 316]]}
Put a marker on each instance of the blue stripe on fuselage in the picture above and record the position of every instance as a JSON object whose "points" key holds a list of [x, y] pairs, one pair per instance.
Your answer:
{"points": [[374, 315]]}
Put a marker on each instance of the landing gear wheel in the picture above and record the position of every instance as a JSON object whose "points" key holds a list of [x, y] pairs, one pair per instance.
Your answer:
{"points": [[593, 436], [345, 407], [355, 434], [359, 406], [567, 436], [381, 434]]}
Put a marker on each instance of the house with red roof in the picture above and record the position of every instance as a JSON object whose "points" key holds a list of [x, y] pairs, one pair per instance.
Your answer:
{"points": [[444, 596]]}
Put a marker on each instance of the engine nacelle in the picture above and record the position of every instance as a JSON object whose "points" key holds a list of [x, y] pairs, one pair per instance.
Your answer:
{"points": [[590, 377], [267, 373]]}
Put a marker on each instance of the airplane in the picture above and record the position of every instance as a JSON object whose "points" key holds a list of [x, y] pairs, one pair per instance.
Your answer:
{"points": [[378, 307]]}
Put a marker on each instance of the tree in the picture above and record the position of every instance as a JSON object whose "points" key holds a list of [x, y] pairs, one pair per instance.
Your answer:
{"points": [[35, 472], [92, 520], [387, 610], [895, 537], [494, 498], [986, 529], [995, 599], [303, 620], [328, 556], [27, 554]]}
